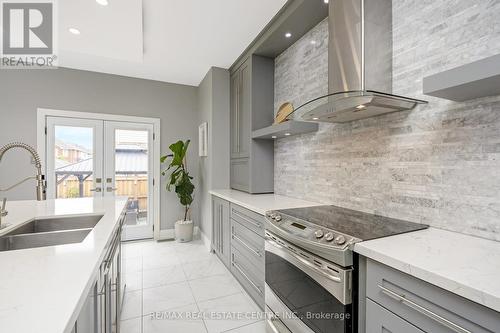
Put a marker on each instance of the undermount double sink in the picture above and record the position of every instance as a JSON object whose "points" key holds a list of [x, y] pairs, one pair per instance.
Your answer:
{"points": [[49, 232]]}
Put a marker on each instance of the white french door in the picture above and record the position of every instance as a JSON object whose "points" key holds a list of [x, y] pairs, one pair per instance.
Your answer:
{"points": [[128, 169], [75, 159], [98, 158]]}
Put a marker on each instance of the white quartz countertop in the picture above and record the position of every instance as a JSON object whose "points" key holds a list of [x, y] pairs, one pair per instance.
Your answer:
{"points": [[261, 203], [464, 265], [43, 289]]}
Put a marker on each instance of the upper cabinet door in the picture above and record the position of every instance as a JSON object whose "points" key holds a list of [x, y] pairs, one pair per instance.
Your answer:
{"points": [[245, 110], [234, 114]]}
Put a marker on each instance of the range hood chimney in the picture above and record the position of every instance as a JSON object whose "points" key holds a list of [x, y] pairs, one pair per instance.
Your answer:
{"points": [[359, 65]]}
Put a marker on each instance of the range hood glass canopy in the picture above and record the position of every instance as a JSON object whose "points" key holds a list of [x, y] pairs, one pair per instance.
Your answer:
{"points": [[348, 106]]}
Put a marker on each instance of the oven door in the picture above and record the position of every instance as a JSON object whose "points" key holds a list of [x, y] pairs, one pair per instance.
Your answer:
{"points": [[305, 293]]}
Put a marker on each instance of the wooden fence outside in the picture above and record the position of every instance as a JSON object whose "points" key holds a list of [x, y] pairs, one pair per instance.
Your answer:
{"points": [[135, 188]]}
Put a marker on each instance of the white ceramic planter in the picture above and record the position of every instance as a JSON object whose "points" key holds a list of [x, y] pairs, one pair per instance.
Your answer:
{"points": [[184, 231]]}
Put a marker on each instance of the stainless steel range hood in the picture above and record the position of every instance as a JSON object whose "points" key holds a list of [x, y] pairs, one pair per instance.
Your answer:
{"points": [[359, 65]]}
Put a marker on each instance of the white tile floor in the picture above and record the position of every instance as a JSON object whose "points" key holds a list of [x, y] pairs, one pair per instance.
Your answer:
{"points": [[169, 278]]}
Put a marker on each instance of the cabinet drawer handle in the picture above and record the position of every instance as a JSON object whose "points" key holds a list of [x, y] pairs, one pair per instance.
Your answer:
{"points": [[221, 229], [257, 252], [256, 287], [257, 224], [426, 312]]}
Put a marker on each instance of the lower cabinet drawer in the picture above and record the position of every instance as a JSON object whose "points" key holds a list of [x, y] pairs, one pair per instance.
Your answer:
{"points": [[249, 219], [426, 306], [249, 277], [249, 244], [380, 320]]}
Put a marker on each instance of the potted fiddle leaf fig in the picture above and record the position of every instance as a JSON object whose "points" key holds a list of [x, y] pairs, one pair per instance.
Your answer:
{"points": [[179, 180]]}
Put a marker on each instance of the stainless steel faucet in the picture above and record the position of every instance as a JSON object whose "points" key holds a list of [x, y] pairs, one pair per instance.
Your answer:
{"points": [[41, 186], [3, 212]]}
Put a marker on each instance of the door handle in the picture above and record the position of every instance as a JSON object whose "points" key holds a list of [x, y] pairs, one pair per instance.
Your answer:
{"points": [[111, 189], [97, 189]]}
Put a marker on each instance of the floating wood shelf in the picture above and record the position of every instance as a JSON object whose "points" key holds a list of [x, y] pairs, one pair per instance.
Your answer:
{"points": [[288, 128], [474, 80]]}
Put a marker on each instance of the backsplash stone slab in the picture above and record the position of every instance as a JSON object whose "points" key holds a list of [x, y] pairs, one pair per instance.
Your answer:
{"points": [[438, 164]]}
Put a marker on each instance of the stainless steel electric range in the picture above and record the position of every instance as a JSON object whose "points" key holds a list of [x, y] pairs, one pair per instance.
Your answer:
{"points": [[311, 270]]}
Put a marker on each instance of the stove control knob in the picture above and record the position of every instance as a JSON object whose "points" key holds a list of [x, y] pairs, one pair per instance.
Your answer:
{"points": [[319, 233], [277, 217], [329, 236], [340, 240], [273, 216]]}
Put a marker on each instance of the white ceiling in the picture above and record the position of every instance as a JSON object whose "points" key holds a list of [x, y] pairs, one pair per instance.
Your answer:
{"points": [[166, 40]]}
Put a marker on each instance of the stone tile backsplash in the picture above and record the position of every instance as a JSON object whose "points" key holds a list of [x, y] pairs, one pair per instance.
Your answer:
{"points": [[438, 164]]}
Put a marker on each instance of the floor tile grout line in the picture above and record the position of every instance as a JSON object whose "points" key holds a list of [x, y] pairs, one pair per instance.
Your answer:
{"points": [[170, 309], [236, 328], [131, 318], [202, 320], [195, 300], [178, 282], [219, 297], [227, 272], [183, 264]]}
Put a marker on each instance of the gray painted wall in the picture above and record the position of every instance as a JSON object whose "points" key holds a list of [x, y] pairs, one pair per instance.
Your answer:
{"points": [[213, 105], [23, 91], [438, 164]]}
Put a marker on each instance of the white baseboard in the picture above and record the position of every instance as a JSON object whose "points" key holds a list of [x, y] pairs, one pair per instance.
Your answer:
{"points": [[166, 234], [206, 241]]}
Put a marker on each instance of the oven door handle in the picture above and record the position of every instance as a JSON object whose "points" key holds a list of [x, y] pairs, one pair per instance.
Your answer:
{"points": [[316, 269], [276, 325], [302, 260]]}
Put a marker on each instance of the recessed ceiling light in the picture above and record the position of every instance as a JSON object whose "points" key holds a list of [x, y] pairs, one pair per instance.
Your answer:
{"points": [[74, 31], [287, 134], [274, 137], [325, 1], [313, 42], [288, 35], [360, 107], [102, 2], [315, 118]]}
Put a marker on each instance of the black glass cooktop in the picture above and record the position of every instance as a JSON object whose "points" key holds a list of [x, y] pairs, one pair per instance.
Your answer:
{"points": [[357, 224]]}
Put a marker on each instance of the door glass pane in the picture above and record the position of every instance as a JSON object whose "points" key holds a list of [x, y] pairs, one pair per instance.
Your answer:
{"points": [[73, 164], [131, 173]]}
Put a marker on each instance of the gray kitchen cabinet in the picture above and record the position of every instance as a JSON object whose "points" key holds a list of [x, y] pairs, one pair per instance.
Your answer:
{"points": [[238, 240], [249, 219], [87, 321], [235, 83], [250, 278], [381, 321], [241, 109], [252, 103], [423, 305], [100, 312], [239, 173], [249, 244], [248, 251], [221, 230]]}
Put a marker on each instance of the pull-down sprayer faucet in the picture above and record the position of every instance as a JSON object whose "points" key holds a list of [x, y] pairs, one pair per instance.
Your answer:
{"points": [[41, 186]]}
